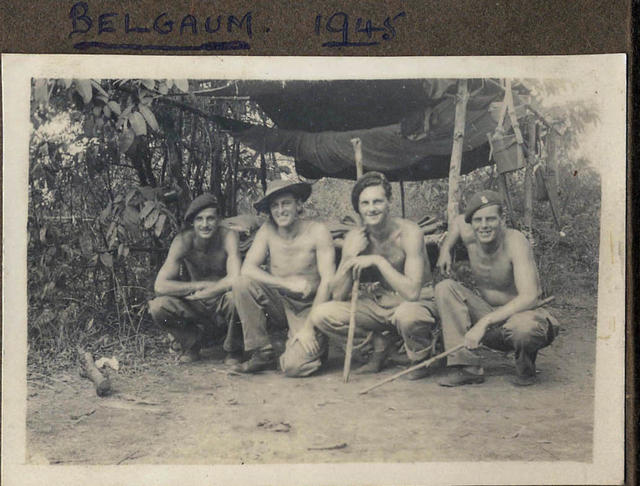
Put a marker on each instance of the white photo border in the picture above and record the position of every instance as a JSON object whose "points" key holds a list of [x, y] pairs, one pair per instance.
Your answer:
{"points": [[607, 71]]}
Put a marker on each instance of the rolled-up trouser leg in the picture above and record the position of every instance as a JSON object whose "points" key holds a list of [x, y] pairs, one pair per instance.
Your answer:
{"points": [[459, 309], [253, 302], [175, 315], [417, 325], [524, 333]]}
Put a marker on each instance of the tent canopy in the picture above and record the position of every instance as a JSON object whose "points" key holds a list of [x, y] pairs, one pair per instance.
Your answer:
{"points": [[406, 126]]}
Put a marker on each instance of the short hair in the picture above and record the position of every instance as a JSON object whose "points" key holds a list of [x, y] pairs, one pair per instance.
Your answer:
{"points": [[369, 179]]}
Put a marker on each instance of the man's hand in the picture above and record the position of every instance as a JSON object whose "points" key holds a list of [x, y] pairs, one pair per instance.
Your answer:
{"points": [[359, 263], [355, 243], [474, 336], [307, 339], [300, 286], [444, 262], [205, 291]]}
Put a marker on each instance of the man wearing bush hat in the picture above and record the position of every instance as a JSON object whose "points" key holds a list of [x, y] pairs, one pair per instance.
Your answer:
{"points": [[187, 309], [285, 274], [505, 315]]}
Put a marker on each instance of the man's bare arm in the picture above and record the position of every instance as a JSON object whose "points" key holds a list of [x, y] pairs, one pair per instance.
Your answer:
{"points": [[256, 256], [453, 235], [354, 243], [166, 281], [234, 263], [409, 283], [325, 260], [325, 255]]}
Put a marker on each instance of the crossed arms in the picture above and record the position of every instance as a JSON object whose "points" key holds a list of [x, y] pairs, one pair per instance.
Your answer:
{"points": [[167, 284]]}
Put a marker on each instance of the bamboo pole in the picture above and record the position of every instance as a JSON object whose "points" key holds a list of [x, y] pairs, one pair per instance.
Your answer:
{"points": [[346, 371], [357, 154], [453, 204], [528, 180]]}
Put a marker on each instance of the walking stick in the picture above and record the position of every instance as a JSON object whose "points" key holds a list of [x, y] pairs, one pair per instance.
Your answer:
{"points": [[424, 364], [429, 362], [357, 154], [352, 327]]}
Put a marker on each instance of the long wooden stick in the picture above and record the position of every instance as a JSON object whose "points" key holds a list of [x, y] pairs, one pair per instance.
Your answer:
{"points": [[429, 362], [352, 328], [424, 364], [357, 155]]}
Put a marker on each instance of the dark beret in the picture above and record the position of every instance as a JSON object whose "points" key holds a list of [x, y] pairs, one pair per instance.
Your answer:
{"points": [[369, 179], [203, 201], [480, 200]]}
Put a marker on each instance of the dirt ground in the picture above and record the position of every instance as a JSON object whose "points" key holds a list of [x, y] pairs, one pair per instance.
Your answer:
{"points": [[198, 414]]}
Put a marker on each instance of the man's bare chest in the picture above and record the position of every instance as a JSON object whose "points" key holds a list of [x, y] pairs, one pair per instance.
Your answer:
{"points": [[494, 271]]}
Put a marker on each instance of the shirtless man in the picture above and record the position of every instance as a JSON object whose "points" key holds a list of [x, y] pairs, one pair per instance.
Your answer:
{"points": [[299, 258], [390, 251], [212, 260], [504, 316]]}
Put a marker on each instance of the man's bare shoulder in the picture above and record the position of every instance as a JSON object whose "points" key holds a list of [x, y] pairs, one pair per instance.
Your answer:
{"points": [[408, 228], [314, 227], [515, 241], [185, 239]]}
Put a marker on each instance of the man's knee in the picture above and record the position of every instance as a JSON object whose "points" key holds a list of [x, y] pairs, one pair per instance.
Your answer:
{"points": [[295, 362], [158, 308], [327, 313], [524, 329], [406, 316], [445, 289]]}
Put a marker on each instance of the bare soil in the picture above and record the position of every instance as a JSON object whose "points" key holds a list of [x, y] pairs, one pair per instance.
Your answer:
{"points": [[199, 414]]}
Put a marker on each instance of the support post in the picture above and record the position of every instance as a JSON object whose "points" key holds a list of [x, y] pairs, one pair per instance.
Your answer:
{"points": [[357, 154], [528, 180], [402, 197], [453, 204]]}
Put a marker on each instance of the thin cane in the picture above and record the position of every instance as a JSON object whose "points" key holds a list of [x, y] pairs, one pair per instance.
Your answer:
{"points": [[352, 326]]}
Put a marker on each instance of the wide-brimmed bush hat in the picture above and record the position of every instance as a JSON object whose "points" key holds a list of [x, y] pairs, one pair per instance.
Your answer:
{"points": [[300, 190], [203, 201]]}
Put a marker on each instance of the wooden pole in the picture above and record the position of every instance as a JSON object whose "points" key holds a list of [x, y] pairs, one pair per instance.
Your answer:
{"points": [[528, 180], [453, 204], [402, 197], [357, 154], [352, 327]]}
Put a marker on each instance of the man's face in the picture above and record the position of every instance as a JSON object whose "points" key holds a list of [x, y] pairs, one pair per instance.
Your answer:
{"points": [[284, 210], [487, 223], [205, 223], [373, 205]]}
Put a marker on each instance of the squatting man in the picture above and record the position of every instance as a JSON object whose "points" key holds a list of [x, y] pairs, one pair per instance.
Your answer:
{"points": [[505, 314], [288, 284], [190, 309]]}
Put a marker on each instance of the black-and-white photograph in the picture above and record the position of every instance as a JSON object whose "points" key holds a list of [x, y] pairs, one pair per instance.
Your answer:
{"points": [[246, 264]]}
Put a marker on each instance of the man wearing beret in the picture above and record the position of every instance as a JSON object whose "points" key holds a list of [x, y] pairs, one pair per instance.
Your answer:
{"points": [[286, 273], [211, 257], [504, 315], [391, 254]]}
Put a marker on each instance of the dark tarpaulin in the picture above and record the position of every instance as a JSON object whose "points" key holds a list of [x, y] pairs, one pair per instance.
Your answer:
{"points": [[317, 119]]}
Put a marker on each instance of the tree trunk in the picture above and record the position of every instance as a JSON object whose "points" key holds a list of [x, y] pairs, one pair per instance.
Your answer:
{"points": [[453, 204]]}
